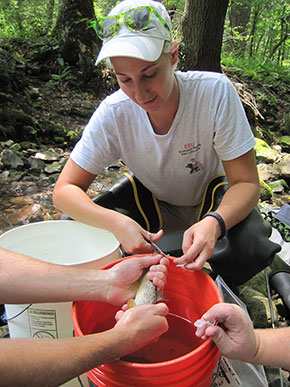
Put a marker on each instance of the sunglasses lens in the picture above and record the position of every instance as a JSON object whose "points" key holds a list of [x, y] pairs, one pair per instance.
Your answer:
{"points": [[137, 19], [106, 27]]}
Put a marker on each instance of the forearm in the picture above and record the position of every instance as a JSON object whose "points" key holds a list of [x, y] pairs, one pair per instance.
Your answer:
{"points": [[74, 202], [244, 189], [28, 280], [238, 202], [53, 362], [274, 347], [126, 230]]}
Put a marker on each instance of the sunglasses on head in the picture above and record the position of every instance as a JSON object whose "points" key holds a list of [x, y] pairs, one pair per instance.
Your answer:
{"points": [[136, 19]]}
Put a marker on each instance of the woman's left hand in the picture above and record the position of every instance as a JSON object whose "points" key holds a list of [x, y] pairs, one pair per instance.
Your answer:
{"points": [[198, 243]]}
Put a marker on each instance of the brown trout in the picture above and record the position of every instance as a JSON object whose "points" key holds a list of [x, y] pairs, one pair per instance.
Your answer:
{"points": [[147, 292]]}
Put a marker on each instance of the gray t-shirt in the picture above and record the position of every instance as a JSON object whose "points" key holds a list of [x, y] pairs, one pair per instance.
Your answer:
{"points": [[210, 125]]}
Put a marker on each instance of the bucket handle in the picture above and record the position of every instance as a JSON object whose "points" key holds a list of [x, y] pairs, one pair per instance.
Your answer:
{"points": [[5, 319]]}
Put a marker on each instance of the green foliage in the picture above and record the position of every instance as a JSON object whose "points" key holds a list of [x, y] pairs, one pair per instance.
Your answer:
{"points": [[269, 83], [269, 22], [271, 74], [268, 25], [65, 74], [286, 127], [73, 137], [103, 7], [27, 18]]}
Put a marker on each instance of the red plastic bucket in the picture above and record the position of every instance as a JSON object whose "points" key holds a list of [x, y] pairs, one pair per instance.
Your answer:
{"points": [[188, 295]]}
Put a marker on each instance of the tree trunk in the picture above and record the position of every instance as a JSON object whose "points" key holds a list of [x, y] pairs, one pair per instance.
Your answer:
{"points": [[50, 9], [78, 42], [239, 18], [202, 26], [253, 30]]}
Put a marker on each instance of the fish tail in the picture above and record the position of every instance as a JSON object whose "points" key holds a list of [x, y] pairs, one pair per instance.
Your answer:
{"points": [[160, 296], [131, 303]]}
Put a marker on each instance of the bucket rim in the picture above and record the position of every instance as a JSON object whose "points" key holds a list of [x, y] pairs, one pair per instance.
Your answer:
{"points": [[109, 370], [115, 243], [62, 221]]}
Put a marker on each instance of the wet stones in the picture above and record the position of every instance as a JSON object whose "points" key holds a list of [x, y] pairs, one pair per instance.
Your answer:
{"points": [[18, 161]]}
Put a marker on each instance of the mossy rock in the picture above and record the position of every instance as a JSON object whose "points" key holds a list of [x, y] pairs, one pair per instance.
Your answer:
{"points": [[51, 129], [16, 117], [18, 125], [266, 192], [278, 185], [284, 142], [264, 152], [28, 145]]}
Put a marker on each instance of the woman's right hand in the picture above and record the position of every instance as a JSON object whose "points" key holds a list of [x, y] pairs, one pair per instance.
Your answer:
{"points": [[132, 237]]}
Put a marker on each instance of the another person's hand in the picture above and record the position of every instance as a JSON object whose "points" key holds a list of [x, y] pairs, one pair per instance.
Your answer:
{"points": [[132, 237], [141, 325], [198, 244], [123, 277], [234, 335]]}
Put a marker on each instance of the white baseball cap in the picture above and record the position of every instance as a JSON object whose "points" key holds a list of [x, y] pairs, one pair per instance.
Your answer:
{"points": [[147, 44]]}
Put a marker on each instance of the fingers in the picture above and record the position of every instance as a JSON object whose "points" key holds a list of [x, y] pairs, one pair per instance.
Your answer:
{"points": [[161, 309], [195, 256], [142, 247], [190, 262], [119, 315], [160, 282], [218, 335], [195, 264], [157, 263], [121, 312], [236, 338], [158, 273], [158, 277], [162, 262], [146, 262], [156, 236], [225, 313], [153, 237], [187, 241], [138, 243]]}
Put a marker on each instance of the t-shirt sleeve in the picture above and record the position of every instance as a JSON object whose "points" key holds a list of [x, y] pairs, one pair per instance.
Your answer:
{"points": [[233, 136], [97, 147]]}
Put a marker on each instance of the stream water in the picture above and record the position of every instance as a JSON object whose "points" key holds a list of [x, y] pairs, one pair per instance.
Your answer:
{"points": [[25, 202]]}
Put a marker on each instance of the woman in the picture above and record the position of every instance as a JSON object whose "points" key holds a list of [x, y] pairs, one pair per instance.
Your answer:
{"points": [[174, 131]]}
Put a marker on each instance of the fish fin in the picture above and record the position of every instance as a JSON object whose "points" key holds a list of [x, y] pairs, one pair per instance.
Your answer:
{"points": [[136, 286], [131, 303], [160, 296]]}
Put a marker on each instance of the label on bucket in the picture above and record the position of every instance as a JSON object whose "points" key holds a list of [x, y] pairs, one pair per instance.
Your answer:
{"points": [[225, 375], [42, 323]]}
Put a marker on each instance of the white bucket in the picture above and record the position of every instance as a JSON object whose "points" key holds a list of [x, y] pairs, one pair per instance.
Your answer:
{"points": [[65, 242]]}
